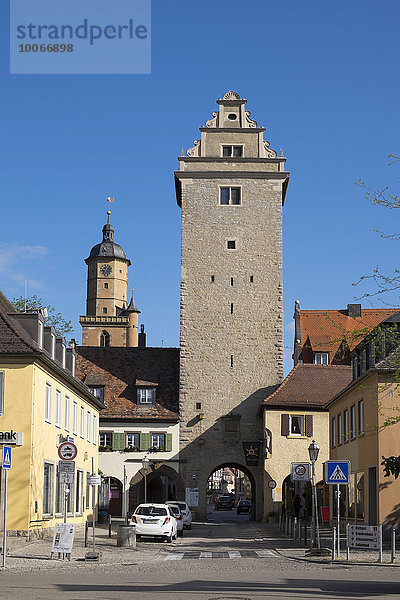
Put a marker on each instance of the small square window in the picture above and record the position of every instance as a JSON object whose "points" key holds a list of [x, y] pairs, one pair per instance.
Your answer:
{"points": [[146, 395], [297, 425], [97, 391], [198, 405], [104, 311], [321, 358], [231, 244], [230, 195], [229, 151], [106, 286]]}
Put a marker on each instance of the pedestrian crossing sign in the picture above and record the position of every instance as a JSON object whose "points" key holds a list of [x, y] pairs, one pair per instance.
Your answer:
{"points": [[337, 472], [6, 463]]}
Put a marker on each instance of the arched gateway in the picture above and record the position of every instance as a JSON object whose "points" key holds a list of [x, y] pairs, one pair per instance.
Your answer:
{"points": [[230, 187]]}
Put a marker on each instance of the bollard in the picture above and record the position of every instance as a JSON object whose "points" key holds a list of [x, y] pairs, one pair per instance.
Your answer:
{"points": [[380, 544], [305, 533], [109, 526], [299, 532], [294, 528], [333, 543], [86, 533], [126, 536], [393, 544]]}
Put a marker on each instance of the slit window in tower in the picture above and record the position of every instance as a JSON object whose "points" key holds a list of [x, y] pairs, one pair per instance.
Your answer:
{"points": [[106, 286], [231, 281], [231, 308], [104, 311], [212, 278], [251, 278], [231, 360]]}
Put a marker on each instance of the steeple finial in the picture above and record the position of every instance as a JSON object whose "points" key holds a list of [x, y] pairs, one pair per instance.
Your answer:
{"points": [[108, 216]]}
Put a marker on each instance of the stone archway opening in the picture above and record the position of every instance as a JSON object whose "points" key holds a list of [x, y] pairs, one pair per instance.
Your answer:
{"points": [[234, 481], [162, 482]]}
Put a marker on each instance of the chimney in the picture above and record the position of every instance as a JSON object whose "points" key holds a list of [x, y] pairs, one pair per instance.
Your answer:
{"points": [[354, 310], [142, 338]]}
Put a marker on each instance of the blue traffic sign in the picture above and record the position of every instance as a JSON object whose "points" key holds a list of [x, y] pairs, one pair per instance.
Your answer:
{"points": [[6, 463], [337, 471]]}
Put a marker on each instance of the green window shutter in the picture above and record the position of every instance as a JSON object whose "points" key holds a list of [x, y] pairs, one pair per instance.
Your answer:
{"points": [[144, 441], [168, 442], [118, 441]]}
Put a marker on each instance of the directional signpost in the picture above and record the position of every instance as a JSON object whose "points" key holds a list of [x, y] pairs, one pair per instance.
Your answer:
{"points": [[337, 472], [364, 537]]}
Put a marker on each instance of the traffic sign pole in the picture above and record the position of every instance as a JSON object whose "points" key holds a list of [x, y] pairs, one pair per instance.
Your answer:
{"points": [[338, 518], [5, 518]]}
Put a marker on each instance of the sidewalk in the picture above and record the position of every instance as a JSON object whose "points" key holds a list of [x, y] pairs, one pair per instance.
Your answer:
{"points": [[291, 548], [36, 555]]}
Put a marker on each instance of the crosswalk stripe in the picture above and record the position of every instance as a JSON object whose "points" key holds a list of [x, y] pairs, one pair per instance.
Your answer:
{"points": [[234, 554], [264, 553], [175, 556], [205, 555]]}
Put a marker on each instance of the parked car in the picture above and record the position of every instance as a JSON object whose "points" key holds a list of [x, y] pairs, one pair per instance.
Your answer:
{"points": [[155, 520], [186, 513], [243, 506], [224, 502], [178, 516]]}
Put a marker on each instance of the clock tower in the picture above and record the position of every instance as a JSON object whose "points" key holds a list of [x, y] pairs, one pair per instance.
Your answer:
{"points": [[109, 320]]}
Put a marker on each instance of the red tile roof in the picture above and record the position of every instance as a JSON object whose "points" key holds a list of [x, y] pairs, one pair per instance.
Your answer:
{"points": [[326, 329], [120, 370], [310, 386]]}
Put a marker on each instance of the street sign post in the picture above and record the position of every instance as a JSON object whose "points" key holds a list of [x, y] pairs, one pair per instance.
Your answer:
{"points": [[337, 472], [300, 471], [6, 464], [94, 479], [364, 537]]}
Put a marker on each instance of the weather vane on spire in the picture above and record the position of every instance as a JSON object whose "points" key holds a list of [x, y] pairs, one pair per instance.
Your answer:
{"points": [[109, 199]]}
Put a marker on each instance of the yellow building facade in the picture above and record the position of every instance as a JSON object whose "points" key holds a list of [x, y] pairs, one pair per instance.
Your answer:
{"points": [[41, 399]]}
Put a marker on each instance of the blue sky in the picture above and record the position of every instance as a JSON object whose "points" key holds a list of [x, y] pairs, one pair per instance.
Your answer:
{"points": [[322, 78]]}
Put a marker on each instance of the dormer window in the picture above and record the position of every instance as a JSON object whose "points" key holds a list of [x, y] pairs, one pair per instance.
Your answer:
{"points": [[97, 391], [321, 358], [40, 334], [146, 395], [53, 346]]}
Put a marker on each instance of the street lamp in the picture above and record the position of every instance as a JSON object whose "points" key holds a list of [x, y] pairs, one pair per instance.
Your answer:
{"points": [[146, 464], [313, 451]]}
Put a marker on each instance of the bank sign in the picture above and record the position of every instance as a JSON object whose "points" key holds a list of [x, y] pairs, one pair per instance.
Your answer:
{"points": [[11, 437]]}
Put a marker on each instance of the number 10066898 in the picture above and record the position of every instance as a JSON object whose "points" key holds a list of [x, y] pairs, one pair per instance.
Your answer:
{"points": [[46, 48]]}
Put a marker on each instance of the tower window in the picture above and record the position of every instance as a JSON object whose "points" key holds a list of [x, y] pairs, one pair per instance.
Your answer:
{"points": [[232, 281], [251, 278], [234, 151], [212, 278], [104, 339], [232, 117], [104, 311], [230, 195], [198, 405], [231, 308], [231, 244], [106, 286], [231, 360]]}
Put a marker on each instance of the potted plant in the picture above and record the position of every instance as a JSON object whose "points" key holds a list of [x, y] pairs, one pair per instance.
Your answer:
{"points": [[105, 448]]}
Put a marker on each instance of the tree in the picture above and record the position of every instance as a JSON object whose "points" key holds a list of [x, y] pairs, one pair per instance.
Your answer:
{"points": [[61, 325]]}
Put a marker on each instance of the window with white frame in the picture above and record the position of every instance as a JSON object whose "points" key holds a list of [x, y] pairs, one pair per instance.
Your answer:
{"points": [[105, 438], [353, 422], [158, 440], [339, 430], [296, 425], [1, 393], [132, 440], [82, 431], [67, 408], [58, 409], [47, 411], [78, 491], [97, 391], [89, 426], [230, 195], [360, 417], [233, 151], [333, 432], [48, 480], [146, 395], [75, 419], [95, 430], [321, 358]]}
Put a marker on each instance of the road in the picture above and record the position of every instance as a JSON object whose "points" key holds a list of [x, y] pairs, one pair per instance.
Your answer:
{"points": [[227, 558]]}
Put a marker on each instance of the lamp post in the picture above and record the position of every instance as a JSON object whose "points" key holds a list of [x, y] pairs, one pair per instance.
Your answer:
{"points": [[146, 464], [313, 451]]}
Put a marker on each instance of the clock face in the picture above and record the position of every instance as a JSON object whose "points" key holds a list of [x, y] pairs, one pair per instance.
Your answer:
{"points": [[105, 269]]}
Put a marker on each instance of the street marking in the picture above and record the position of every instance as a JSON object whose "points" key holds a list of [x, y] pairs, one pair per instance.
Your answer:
{"points": [[196, 554], [176, 556]]}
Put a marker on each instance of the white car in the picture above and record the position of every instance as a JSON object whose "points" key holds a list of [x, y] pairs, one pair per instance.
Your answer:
{"points": [[155, 520], [178, 516], [186, 514]]}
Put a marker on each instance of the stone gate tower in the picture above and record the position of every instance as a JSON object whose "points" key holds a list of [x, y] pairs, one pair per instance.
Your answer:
{"points": [[109, 320], [230, 187]]}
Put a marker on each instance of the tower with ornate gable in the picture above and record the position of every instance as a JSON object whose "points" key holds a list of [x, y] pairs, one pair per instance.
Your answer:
{"points": [[109, 320], [230, 187]]}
